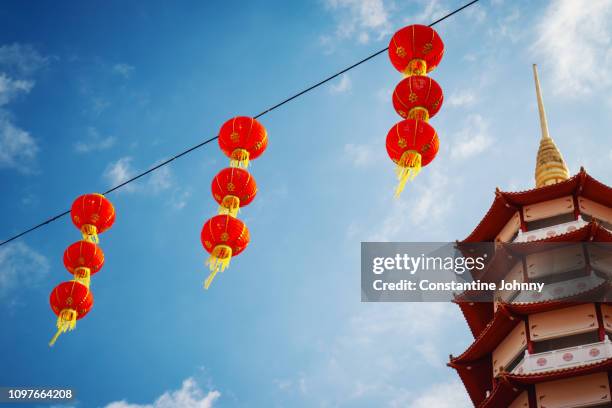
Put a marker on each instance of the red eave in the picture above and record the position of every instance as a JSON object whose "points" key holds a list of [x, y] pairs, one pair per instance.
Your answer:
{"points": [[479, 315], [477, 378], [509, 386], [507, 203], [498, 328]]}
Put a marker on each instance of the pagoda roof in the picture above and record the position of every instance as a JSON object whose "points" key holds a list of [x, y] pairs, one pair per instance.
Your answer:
{"points": [[480, 315], [506, 203], [477, 378], [498, 328], [509, 386]]}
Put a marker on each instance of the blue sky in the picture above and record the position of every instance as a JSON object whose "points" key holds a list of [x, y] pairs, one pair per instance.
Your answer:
{"points": [[93, 93]]}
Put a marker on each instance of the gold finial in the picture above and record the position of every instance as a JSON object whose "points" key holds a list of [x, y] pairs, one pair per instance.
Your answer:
{"points": [[550, 166]]}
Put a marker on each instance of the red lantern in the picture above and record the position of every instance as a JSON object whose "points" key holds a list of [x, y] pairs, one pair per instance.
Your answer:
{"points": [[417, 97], [233, 188], [70, 301], [83, 259], [416, 50], [411, 144], [242, 139], [223, 236], [92, 214]]}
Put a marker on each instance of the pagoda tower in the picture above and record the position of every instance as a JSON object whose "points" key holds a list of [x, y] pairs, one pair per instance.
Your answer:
{"points": [[548, 349]]}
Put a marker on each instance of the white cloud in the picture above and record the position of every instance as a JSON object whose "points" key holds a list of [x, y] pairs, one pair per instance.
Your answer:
{"points": [[22, 59], [122, 170], [360, 18], [379, 334], [360, 155], [160, 180], [10, 88], [119, 172], [443, 395], [125, 70], [473, 139], [423, 204], [463, 98], [18, 149], [94, 142], [342, 86], [189, 396], [574, 39], [20, 266]]}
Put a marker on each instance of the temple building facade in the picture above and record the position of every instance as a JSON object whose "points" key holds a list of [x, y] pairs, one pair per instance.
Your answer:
{"points": [[548, 349]]}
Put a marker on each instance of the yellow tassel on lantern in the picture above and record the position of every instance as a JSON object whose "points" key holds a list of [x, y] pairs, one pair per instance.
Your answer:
{"points": [[419, 113], [82, 275], [230, 205], [408, 166], [66, 320], [218, 261], [90, 233], [416, 66], [240, 158]]}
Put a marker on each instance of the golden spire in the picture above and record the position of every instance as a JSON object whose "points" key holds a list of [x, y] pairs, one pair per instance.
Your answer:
{"points": [[550, 166]]}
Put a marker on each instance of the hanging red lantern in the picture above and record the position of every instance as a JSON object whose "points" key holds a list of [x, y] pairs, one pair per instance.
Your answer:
{"points": [[92, 214], [416, 50], [417, 97], [83, 259], [242, 139], [233, 188], [223, 237], [411, 144], [70, 301]]}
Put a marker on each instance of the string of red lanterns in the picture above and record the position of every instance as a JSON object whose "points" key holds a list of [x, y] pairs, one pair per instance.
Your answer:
{"points": [[92, 214], [224, 236], [413, 143]]}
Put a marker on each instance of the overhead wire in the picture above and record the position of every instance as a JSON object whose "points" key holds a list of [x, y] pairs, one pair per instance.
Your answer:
{"points": [[205, 142]]}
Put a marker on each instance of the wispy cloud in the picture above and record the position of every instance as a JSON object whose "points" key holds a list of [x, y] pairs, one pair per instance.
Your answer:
{"points": [[341, 86], [20, 267], [575, 43], [18, 150], [473, 139], [125, 70], [120, 171], [359, 19], [10, 88], [443, 395], [22, 59], [378, 334], [360, 155], [423, 204], [160, 180], [461, 99], [190, 395], [94, 142]]}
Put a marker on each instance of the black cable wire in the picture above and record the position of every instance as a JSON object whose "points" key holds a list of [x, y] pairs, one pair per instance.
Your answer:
{"points": [[278, 105]]}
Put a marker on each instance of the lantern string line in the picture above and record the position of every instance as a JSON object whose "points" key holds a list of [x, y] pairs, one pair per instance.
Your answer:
{"points": [[205, 142]]}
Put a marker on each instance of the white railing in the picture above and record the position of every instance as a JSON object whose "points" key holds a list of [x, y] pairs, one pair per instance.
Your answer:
{"points": [[557, 290], [563, 358], [551, 231]]}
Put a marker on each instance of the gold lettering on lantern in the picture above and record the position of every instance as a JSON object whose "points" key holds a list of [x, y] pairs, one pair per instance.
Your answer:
{"points": [[230, 186], [413, 97], [426, 148], [95, 217], [69, 300], [224, 236], [402, 143], [401, 52], [207, 243], [427, 48], [234, 136]]}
